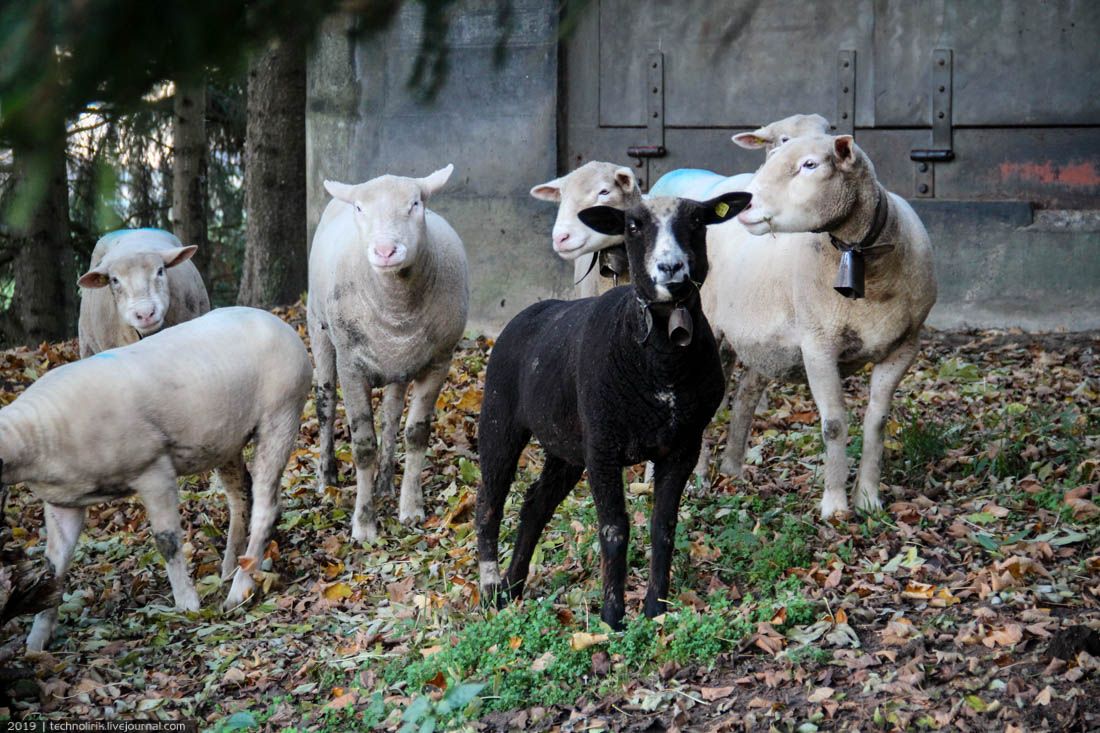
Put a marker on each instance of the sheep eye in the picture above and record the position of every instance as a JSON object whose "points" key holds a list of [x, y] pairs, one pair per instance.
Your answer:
{"points": [[783, 139], [114, 280], [359, 207], [809, 164], [160, 272], [604, 192], [632, 227]]}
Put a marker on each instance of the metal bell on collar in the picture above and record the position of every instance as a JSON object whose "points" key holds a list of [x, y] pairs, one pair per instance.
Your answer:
{"points": [[680, 326], [849, 276]]}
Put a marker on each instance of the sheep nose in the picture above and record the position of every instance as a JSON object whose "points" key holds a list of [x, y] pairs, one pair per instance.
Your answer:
{"points": [[670, 268], [560, 239], [145, 315], [385, 251]]}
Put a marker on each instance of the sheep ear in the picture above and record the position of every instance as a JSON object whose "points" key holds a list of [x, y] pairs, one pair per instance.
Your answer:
{"points": [[179, 255], [549, 191], [844, 149], [723, 208], [753, 140], [430, 184], [340, 191], [604, 219], [624, 179], [93, 279]]}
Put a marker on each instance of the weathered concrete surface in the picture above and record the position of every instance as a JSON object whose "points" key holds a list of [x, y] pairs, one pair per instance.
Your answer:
{"points": [[498, 125], [1001, 266]]}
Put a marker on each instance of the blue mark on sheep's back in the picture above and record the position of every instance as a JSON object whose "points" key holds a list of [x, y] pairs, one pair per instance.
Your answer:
{"points": [[674, 183]]}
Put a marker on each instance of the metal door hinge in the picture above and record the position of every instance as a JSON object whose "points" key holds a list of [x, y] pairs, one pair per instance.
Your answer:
{"points": [[845, 121], [942, 150], [655, 119]]}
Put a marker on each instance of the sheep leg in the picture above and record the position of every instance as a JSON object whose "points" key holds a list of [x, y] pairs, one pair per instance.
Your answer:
{"points": [[671, 474], [606, 481], [324, 379], [749, 390], [237, 484], [364, 451], [727, 357], [418, 429], [543, 497], [160, 495], [885, 378], [499, 447], [273, 444], [393, 403], [828, 393], [63, 526]]}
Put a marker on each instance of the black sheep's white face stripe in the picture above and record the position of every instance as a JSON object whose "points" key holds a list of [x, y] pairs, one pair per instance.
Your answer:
{"points": [[667, 262]]}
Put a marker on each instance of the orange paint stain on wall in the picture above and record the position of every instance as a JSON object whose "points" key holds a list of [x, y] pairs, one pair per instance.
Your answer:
{"points": [[1081, 174]]}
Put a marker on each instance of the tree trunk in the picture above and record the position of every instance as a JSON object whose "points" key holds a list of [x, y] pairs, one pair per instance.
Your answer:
{"points": [[189, 172], [274, 268], [44, 303]]}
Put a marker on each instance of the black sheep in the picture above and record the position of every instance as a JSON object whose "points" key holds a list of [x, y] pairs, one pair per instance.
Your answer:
{"points": [[603, 383]]}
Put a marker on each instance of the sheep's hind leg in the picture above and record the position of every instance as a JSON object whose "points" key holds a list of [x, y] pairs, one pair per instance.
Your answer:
{"points": [[274, 441], [499, 446], [236, 482], [63, 526], [393, 403], [750, 388], [543, 496], [160, 495], [418, 430], [885, 378], [668, 488]]}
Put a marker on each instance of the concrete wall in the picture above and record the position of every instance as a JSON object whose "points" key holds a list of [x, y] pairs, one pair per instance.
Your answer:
{"points": [[498, 125]]}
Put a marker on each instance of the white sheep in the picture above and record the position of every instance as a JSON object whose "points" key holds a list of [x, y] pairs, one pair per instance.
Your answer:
{"points": [[593, 184], [131, 420], [139, 281], [771, 295], [388, 298]]}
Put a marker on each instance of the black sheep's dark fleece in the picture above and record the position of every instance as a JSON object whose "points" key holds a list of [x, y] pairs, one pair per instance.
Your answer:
{"points": [[601, 385]]}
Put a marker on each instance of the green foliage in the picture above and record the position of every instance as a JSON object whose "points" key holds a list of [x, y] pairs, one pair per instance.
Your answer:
{"points": [[425, 715], [522, 652]]}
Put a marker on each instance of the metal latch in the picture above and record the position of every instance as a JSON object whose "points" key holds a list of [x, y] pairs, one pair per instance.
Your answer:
{"points": [[655, 119], [942, 150]]}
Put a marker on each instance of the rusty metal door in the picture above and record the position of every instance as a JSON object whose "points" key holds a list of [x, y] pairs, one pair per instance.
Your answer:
{"points": [[984, 114], [1005, 95]]}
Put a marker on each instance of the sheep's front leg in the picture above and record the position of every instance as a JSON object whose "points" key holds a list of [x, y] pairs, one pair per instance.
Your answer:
{"points": [[606, 481], [159, 493], [63, 526], [670, 475], [885, 378], [324, 379], [418, 429], [364, 451], [828, 393], [393, 403], [750, 388]]}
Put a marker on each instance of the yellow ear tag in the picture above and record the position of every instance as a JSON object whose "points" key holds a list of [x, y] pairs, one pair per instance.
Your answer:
{"points": [[721, 209]]}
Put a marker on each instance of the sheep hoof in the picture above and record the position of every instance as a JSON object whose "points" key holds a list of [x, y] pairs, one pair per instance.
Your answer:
{"points": [[367, 531], [411, 515], [867, 502], [732, 468], [831, 505]]}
